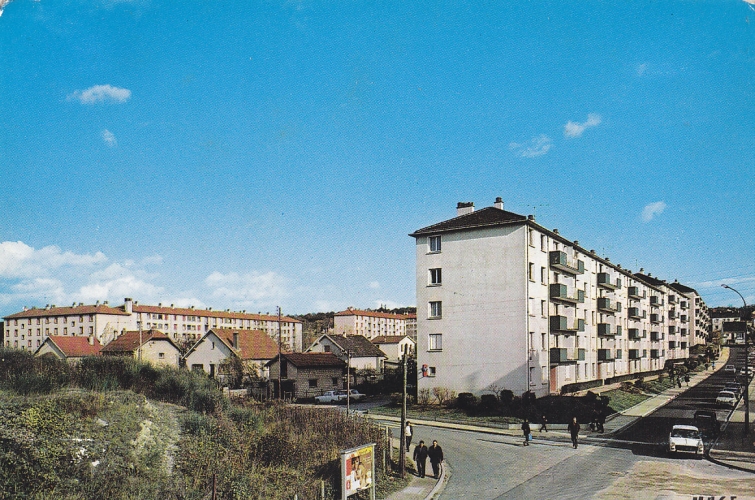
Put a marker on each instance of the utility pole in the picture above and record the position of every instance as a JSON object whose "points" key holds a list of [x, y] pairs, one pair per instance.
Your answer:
{"points": [[402, 447], [139, 324], [280, 357], [348, 380], [747, 363]]}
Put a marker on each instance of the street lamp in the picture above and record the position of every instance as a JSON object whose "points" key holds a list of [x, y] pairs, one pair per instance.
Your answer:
{"points": [[747, 365]]}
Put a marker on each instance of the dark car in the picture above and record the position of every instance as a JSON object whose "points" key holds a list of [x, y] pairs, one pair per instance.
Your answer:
{"points": [[707, 422]]}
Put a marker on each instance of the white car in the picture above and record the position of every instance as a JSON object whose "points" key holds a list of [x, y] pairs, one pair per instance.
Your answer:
{"points": [[355, 395], [730, 369], [686, 439], [331, 397], [726, 398]]}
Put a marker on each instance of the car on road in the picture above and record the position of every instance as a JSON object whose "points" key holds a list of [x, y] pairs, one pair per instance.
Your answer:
{"points": [[748, 371], [726, 398], [730, 369], [686, 439], [707, 422], [734, 387], [355, 395], [331, 397]]}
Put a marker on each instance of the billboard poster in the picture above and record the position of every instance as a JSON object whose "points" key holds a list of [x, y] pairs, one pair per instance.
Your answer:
{"points": [[357, 469]]}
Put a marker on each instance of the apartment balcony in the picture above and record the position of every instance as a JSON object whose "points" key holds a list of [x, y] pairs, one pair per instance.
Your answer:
{"points": [[682, 345], [566, 355], [655, 301], [683, 304], [559, 260], [655, 353], [634, 293], [672, 299], [656, 318], [604, 330], [619, 354], [634, 334], [634, 354], [672, 314], [560, 293], [562, 324], [605, 281], [672, 344], [683, 318], [683, 332], [605, 355], [605, 305], [656, 336], [672, 330], [636, 313]]}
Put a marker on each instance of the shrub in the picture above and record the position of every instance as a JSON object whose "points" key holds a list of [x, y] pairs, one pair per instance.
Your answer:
{"points": [[466, 401], [423, 396], [507, 397], [488, 402]]}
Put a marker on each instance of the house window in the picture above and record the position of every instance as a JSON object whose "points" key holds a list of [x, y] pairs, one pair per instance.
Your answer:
{"points": [[530, 270], [543, 243], [543, 311], [544, 341], [542, 275], [161, 355], [434, 242], [91, 330], [326, 348], [435, 342], [436, 310], [428, 371], [435, 276], [312, 383], [335, 381]]}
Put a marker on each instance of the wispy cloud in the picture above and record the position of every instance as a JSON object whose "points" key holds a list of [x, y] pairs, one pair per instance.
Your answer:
{"points": [[101, 93], [19, 260], [537, 146], [652, 209], [576, 129], [109, 138], [248, 290]]}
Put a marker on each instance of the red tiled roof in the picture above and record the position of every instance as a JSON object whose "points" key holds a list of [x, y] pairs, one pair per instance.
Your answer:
{"points": [[129, 341], [313, 359], [187, 311], [359, 345], [253, 344], [372, 314], [68, 311], [75, 347]]}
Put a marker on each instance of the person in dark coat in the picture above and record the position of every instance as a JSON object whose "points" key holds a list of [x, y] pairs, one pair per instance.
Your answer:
{"points": [[420, 458], [435, 452], [574, 431], [526, 431], [543, 424]]}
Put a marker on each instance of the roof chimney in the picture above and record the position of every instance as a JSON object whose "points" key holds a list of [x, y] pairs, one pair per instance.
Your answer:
{"points": [[128, 305], [498, 203], [531, 217], [91, 340], [555, 231], [464, 208]]}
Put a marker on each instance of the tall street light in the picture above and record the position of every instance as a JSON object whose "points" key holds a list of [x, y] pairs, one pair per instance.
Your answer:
{"points": [[747, 365]]}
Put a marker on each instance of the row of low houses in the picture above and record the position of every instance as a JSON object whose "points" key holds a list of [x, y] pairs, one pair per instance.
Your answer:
{"points": [[503, 302]]}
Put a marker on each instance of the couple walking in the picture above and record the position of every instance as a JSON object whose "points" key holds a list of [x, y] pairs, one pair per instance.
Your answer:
{"points": [[422, 453]]}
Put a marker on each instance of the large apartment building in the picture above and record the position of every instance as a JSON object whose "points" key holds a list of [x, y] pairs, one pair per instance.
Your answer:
{"points": [[503, 302], [369, 324], [29, 328]]}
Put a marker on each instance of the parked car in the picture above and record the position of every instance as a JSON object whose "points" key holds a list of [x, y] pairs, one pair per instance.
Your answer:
{"points": [[730, 369], [726, 398], [734, 387], [707, 422], [686, 439], [331, 397], [748, 371], [355, 395]]}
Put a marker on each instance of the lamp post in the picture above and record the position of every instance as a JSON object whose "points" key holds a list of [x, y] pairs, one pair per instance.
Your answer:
{"points": [[139, 324], [747, 366]]}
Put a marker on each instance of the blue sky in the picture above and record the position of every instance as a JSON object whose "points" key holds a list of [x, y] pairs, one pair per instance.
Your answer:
{"points": [[251, 154]]}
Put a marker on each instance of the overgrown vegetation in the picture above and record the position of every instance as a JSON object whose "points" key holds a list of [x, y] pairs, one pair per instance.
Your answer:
{"points": [[112, 428]]}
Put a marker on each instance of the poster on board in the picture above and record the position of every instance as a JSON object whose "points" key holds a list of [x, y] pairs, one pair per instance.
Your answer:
{"points": [[358, 469]]}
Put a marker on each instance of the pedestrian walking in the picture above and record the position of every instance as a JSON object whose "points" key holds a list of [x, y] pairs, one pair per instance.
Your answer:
{"points": [[435, 453], [679, 381], [543, 424], [408, 434], [686, 379], [420, 458], [574, 431], [527, 432]]}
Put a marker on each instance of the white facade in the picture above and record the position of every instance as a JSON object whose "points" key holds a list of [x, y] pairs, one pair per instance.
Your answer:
{"points": [[369, 324], [503, 303], [28, 329]]}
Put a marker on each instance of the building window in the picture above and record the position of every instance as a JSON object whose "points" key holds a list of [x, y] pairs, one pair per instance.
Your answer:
{"points": [[543, 311], [428, 371], [544, 341], [543, 243], [435, 342], [436, 309], [161, 355], [335, 381], [530, 271], [542, 275], [434, 242], [312, 383], [435, 276]]}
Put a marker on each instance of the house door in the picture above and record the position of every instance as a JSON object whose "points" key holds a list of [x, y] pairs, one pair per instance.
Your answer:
{"points": [[212, 370]]}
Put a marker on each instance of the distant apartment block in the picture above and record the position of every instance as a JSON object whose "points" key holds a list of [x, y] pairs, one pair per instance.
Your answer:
{"points": [[369, 324], [503, 302], [29, 328]]}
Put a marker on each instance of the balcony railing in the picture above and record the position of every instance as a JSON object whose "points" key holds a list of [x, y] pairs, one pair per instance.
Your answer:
{"points": [[655, 353], [634, 354], [560, 292], [561, 355], [672, 314], [605, 305], [655, 301], [561, 324], [672, 330], [604, 329], [559, 260], [634, 334], [634, 293], [672, 344], [656, 318], [683, 304], [656, 336], [605, 355], [604, 280]]}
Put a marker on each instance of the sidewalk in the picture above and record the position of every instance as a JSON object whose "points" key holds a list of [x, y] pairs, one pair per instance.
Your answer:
{"points": [[422, 488]]}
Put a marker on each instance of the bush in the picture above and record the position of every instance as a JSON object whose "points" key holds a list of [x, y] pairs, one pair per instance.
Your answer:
{"points": [[488, 402], [466, 401], [507, 397]]}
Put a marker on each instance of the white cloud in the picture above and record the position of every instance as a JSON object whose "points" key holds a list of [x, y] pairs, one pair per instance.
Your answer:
{"points": [[101, 93], [251, 289], [374, 285], [18, 260], [109, 138], [576, 129], [537, 146], [652, 209]]}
